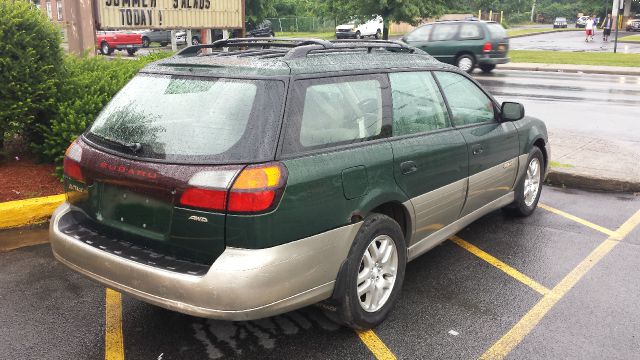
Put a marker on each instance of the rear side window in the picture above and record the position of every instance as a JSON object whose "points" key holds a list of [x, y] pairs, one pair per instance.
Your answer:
{"points": [[335, 112], [497, 31], [443, 32], [187, 119], [469, 104], [420, 34], [417, 104], [470, 31]]}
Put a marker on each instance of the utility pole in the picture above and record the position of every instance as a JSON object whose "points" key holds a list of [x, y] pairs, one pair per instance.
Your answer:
{"points": [[614, 13]]}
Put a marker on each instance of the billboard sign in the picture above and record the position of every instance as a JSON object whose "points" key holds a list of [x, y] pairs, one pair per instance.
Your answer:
{"points": [[170, 14]]}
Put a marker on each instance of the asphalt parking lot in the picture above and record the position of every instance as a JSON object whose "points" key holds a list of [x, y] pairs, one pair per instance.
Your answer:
{"points": [[561, 284]]}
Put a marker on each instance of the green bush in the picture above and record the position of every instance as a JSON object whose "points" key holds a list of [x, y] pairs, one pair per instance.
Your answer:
{"points": [[89, 83], [30, 59]]}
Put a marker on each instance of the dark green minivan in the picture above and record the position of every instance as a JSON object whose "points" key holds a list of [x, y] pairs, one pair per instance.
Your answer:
{"points": [[247, 178], [466, 44]]}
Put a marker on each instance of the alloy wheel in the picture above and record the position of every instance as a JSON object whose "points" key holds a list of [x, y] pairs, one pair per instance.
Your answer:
{"points": [[377, 273], [532, 182], [465, 63]]}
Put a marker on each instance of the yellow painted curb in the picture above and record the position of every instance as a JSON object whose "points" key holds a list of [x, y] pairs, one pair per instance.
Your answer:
{"points": [[29, 211]]}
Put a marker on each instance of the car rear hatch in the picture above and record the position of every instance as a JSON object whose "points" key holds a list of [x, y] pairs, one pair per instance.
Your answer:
{"points": [[156, 167], [499, 41]]}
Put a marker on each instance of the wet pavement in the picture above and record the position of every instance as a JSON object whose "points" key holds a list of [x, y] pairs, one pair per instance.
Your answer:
{"points": [[604, 106], [455, 304], [572, 41], [592, 121]]}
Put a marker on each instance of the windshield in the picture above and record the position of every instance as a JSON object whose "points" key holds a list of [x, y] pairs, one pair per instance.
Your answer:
{"points": [[497, 31], [192, 119]]}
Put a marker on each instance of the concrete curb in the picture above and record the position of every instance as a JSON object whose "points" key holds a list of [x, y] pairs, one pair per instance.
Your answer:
{"points": [[30, 211], [632, 71], [577, 181]]}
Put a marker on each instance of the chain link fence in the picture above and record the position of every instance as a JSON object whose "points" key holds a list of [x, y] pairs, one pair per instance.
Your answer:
{"points": [[302, 24]]}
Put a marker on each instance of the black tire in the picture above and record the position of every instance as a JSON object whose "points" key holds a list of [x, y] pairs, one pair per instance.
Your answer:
{"points": [[195, 40], [487, 68], [519, 207], [345, 307], [358, 35], [164, 43], [105, 49], [145, 42], [378, 34], [131, 52], [463, 60]]}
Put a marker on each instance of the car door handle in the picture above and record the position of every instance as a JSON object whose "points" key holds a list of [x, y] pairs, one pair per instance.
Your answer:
{"points": [[477, 149], [408, 167]]}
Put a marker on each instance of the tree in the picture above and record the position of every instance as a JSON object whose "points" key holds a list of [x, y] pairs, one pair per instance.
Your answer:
{"points": [[30, 63], [258, 10], [411, 11]]}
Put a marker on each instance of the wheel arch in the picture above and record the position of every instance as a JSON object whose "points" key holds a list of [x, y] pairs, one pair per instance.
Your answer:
{"points": [[392, 207], [466, 52], [541, 144]]}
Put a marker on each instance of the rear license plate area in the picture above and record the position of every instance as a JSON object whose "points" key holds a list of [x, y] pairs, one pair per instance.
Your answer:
{"points": [[136, 212]]}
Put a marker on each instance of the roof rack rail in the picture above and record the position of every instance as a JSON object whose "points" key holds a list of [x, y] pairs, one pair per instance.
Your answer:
{"points": [[350, 44], [253, 42], [299, 48]]}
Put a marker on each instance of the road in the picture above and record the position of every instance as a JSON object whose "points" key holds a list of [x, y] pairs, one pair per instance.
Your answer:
{"points": [[458, 301], [603, 106], [571, 41]]}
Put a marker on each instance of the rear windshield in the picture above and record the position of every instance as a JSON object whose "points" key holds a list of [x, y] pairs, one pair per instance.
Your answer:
{"points": [[187, 119], [497, 31]]}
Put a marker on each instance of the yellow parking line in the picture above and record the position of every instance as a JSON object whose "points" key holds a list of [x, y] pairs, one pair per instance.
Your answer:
{"points": [[511, 339], [500, 265], [113, 343], [577, 219], [375, 345]]}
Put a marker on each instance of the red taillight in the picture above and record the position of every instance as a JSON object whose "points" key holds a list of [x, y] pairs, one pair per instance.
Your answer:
{"points": [[72, 170], [71, 162], [251, 201], [487, 47], [204, 199], [255, 189]]}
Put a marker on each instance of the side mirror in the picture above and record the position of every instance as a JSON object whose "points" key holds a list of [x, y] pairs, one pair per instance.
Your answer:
{"points": [[512, 111]]}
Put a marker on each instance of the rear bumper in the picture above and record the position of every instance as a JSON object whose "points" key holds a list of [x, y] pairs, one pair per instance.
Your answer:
{"points": [[493, 61], [127, 47], [345, 35], [241, 284]]}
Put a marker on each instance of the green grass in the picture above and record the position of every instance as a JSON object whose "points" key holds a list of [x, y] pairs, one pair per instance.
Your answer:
{"points": [[535, 31], [560, 165], [634, 38], [316, 35], [574, 58]]}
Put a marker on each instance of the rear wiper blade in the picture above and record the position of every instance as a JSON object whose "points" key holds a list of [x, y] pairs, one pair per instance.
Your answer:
{"points": [[133, 147]]}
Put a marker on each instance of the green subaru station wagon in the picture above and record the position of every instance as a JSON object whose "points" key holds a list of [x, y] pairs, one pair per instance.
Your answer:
{"points": [[466, 44], [250, 177]]}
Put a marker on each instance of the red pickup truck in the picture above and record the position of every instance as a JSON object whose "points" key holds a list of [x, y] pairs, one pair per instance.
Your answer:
{"points": [[109, 41]]}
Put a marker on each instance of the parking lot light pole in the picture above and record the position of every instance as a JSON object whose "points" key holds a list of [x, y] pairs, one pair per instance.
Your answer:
{"points": [[617, 6]]}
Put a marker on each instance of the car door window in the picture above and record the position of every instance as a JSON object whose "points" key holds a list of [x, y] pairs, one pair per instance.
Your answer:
{"points": [[337, 113], [468, 104], [417, 104], [420, 34], [442, 32], [470, 31]]}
